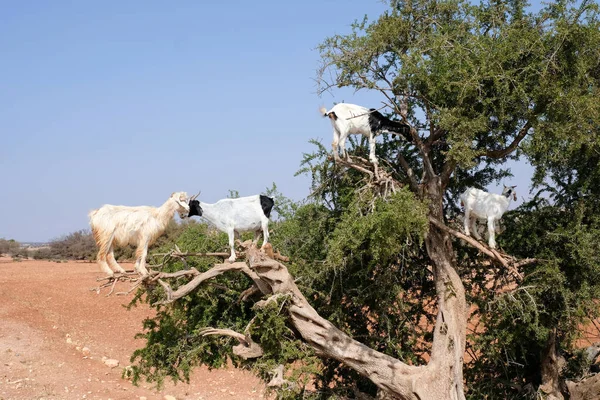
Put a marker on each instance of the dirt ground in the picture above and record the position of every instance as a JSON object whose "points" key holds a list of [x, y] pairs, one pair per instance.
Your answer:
{"points": [[48, 315]]}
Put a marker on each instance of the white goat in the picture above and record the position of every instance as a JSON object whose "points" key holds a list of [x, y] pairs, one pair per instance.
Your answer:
{"points": [[486, 206], [350, 119], [123, 225], [234, 216]]}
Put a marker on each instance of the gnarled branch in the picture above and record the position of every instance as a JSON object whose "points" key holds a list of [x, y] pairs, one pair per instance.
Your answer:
{"points": [[511, 147], [247, 348]]}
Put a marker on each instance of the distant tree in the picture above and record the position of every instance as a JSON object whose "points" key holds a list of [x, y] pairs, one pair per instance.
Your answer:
{"points": [[9, 247], [77, 245]]}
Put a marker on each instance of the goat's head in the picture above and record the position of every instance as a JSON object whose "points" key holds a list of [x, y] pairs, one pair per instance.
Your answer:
{"points": [[510, 191], [183, 208], [195, 208]]}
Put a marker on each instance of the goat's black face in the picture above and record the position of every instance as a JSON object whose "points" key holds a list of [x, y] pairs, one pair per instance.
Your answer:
{"points": [[195, 208]]}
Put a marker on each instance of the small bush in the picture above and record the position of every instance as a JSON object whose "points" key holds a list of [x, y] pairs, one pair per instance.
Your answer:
{"points": [[9, 246]]}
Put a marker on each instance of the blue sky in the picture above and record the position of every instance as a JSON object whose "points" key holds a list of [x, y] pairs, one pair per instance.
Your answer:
{"points": [[127, 102]]}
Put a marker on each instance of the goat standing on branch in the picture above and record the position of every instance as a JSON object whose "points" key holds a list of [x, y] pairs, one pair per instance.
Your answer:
{"points": [[350, 119], [487, 206], [234, 216], [140, 226]]}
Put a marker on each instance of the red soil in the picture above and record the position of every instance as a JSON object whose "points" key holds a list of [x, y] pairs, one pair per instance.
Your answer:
{"points": [[45, 305]]}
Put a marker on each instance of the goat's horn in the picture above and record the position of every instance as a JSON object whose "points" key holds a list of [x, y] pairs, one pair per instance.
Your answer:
{"points": [[194, 197]]}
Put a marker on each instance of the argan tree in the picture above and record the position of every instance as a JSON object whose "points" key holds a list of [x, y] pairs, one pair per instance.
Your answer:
{"points": [[375, 251]]}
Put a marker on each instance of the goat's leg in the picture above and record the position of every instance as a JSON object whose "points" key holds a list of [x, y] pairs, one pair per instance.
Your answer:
{"points": [[140, 259], [343, 137], [474, 229], [103, 264], [335, 144], [113, 262], [256, 236], [491, 233], [103, 248], [231, 234], [372, 155], [467, 222], [265, 231]]}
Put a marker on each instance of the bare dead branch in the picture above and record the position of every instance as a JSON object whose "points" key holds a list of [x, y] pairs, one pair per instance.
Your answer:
{"points": [[111, 281], [194, 283], [277, 380], [378, 179], [412, 179], [247, 348], [252, 290]]}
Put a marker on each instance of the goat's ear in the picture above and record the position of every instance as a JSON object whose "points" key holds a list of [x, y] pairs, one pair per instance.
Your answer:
{"points": [[183, 196]]}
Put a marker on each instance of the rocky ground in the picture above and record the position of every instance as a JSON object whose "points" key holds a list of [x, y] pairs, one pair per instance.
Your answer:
{"points": [[59, 340]]}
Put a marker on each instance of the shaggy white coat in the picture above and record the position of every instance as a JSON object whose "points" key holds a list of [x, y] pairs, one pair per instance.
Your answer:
{"points": [[140, 226]]}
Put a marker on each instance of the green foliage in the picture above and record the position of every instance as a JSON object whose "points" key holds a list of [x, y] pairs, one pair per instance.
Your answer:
{"points": [[174, 343], [558, 293]]}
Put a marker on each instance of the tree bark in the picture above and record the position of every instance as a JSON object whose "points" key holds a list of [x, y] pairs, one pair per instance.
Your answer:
{"points": [[552, 364], [449, 336], [587, 389]]}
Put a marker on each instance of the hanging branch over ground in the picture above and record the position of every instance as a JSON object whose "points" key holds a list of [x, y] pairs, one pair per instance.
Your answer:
{"points": [[273, 279]]}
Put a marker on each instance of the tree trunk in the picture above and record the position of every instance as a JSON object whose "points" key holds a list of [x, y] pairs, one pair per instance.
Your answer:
{"points": [[552, 364], [587, 389], [449, 336]]}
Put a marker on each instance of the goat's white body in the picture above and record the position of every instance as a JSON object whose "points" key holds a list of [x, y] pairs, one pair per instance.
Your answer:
{"points": [[235, 216], [351, 119], [140, 226], [482, 205]]}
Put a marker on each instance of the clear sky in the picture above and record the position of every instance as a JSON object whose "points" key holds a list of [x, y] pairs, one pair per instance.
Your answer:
{"points": [[125, 102]]}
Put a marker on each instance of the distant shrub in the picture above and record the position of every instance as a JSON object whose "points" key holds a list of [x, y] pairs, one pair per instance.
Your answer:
{"points": [[42, 254], [10, 247], [80, 245]]}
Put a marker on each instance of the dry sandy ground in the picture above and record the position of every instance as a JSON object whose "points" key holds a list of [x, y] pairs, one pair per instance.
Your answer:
{"points": [[48, 314]]}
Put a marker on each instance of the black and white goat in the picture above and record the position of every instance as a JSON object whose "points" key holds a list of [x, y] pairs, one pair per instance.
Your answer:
{"points": [[351, 119], [141, 226], [482, 205], [234, 216]]}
